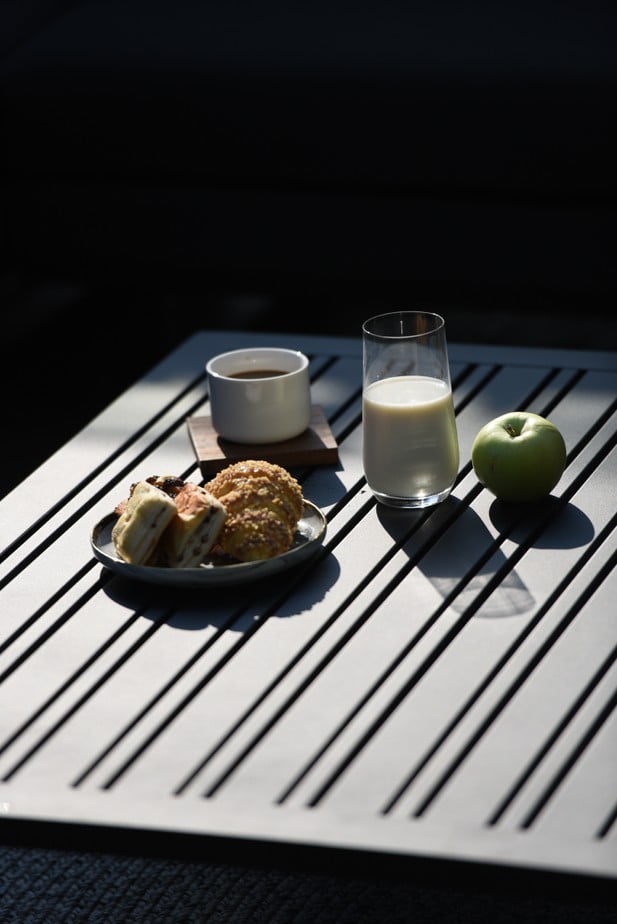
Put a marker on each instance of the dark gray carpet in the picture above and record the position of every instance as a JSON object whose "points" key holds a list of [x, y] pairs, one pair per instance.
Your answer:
{"points": [[49, 886]]}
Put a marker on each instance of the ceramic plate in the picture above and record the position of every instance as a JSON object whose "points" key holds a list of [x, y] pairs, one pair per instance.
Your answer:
{"points": [[309, 536]]}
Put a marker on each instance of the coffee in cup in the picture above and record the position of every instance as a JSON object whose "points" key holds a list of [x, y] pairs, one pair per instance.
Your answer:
{"points": [[259, 394]]}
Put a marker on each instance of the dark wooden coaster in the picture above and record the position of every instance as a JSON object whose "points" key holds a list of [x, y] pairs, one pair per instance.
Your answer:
{"points": [[316, 446]]}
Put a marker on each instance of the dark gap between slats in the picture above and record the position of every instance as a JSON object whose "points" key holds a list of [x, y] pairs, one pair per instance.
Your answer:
{"points": [[607, 824], [290, 583], [406, 687], [141, 748], [571, 761], [295, 695], [325, 366], [496, 670], [292, 580], [356, 397], [563, 391], [255, 740], [353, 424], [554, 736], [594, 428], [118, 663], [463, 753], [51, 601], [383, 595], [342, 503], [81, 485], [129, 726], [69, 681], [321, 555], [57, 624], [494, 582], [477, 388], [463, 374], [594, 727], [300, 654], [365, 738], [193, 692], [81, 511], [123, 474], [304, 684]]}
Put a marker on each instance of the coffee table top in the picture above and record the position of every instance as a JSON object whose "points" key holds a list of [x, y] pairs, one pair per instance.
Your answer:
{"points": [[439, 684]]}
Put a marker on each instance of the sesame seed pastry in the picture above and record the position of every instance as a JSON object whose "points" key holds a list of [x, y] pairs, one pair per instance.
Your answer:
{"points": [[264, 504]]}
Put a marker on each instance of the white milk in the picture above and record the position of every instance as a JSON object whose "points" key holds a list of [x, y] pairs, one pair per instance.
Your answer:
{"points": [[410, 445]]}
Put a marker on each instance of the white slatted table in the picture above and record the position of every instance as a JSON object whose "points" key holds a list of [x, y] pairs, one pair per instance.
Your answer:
{"points": [[438, 684]]}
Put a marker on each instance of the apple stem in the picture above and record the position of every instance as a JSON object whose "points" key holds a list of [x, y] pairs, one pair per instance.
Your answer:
{"points": [[510, 430]]}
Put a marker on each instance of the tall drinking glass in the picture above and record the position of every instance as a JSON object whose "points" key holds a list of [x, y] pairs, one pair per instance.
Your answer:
{"points": [[410, 444]]}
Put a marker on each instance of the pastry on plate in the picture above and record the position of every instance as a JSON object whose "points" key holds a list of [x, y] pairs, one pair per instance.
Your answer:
{"points": [[144, 516], [264, 504], [194, 529], [167, 522]]}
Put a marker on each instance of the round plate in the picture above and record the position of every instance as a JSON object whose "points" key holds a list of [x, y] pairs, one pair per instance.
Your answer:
{"points": [[310, 534]]}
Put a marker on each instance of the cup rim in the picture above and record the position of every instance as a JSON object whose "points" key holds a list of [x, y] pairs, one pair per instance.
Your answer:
{"points": [[437, 319], [257, 352]]}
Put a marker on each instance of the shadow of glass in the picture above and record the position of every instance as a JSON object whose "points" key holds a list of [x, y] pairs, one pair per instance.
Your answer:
{"points": [[463, 560], [327, 488], [566, 526]]}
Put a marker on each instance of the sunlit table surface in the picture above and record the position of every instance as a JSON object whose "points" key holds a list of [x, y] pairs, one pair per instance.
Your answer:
{"points": [[437, 684]]}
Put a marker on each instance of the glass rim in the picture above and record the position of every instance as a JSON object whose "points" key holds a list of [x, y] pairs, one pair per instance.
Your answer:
{"points": [[439, 324]]}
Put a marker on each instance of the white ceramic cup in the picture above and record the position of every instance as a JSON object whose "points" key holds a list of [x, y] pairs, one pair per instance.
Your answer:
{"points": [[259, 394]]}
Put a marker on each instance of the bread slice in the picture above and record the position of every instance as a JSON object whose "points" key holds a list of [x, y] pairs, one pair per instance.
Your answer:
{"points": [[145, 516], [193, 531]]}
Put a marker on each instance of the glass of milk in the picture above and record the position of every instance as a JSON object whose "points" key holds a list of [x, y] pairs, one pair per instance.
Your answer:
{"points": [[409, 439]]}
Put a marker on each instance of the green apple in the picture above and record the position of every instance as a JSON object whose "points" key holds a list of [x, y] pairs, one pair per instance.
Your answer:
{"points": [[519, 456]]}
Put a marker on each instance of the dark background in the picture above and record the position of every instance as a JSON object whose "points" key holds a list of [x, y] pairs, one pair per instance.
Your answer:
{"points": [[297, 167]]}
